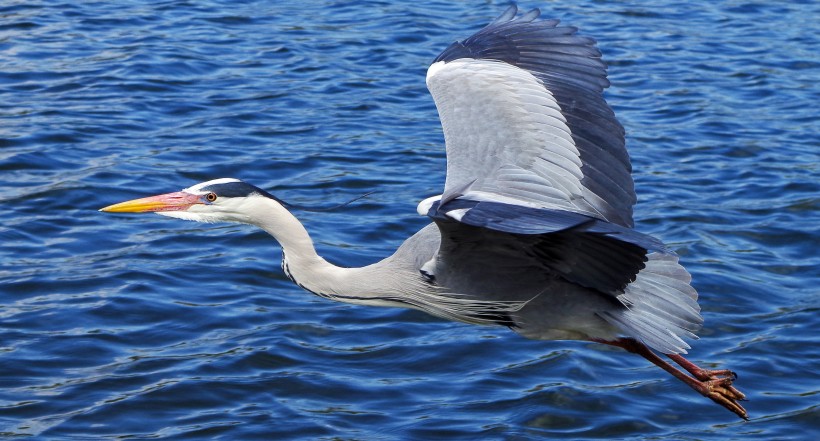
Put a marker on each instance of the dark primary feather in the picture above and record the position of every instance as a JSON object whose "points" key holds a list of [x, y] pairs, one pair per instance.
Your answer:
{"points": [[570, 67]]}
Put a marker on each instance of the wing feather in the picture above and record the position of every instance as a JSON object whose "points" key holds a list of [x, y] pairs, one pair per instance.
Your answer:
{"points": [[526, 95]]}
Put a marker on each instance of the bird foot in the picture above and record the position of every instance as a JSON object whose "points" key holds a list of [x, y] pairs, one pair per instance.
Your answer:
{"points": [[717, 386]]}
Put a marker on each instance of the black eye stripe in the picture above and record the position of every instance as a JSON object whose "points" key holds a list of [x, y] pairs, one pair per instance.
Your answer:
{"points": [[231, 189], [236, 190]]}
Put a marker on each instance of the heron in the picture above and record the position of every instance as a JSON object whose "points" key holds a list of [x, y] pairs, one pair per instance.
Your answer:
{"points": [[534, 228]]}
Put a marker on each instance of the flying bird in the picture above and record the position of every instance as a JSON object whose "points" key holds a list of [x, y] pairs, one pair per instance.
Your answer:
{"points": [[534, 228]]}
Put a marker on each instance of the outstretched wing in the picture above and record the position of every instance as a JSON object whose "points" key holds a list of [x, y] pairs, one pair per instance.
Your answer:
{"points": [[538, 175], [525, 121]]}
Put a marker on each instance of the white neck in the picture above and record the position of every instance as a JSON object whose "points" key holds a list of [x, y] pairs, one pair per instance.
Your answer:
{"points": [[305, 267]]}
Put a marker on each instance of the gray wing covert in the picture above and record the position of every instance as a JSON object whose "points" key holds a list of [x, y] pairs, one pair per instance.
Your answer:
{"points": [[525, 120]]}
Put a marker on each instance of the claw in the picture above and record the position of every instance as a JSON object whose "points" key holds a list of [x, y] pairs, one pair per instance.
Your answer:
{"points": [[721, 391]]}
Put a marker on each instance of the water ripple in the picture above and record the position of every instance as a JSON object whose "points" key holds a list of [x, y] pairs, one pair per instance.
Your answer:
{"points": [[142, 327]]}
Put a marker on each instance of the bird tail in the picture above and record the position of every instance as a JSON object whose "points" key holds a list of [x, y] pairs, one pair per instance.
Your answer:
{"points": [[661, 306]]}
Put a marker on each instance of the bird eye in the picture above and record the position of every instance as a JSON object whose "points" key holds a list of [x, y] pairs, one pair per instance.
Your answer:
{"points": [[210, 197]]}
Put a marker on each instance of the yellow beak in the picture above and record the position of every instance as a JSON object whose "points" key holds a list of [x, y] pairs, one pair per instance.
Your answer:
{"points": [[178, 201]]}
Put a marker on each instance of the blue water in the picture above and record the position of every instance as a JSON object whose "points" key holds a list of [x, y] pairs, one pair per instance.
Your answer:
{"points": [[138, 327]]}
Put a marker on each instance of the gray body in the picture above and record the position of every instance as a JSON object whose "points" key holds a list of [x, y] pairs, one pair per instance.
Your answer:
{"points": [[539, 304], [552, 309]]}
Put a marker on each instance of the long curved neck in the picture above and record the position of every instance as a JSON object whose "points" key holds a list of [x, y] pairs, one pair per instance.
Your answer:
{"points": [[394, 281], [277, 221], [305, 267]]}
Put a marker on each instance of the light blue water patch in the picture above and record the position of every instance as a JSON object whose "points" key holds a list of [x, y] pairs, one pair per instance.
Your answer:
{"points": [[145, 327]]}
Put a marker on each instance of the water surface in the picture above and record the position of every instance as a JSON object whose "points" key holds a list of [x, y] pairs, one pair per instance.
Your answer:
{"points": [[147, 327]]}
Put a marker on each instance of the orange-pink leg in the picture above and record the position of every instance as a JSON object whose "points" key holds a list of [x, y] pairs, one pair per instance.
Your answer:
{"points": [[713, 384]]}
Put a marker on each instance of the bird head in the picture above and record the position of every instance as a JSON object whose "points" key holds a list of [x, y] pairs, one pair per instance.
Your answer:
{"points": [[219, 200]]}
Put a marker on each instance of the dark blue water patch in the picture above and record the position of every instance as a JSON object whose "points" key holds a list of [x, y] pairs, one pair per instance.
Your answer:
{"points": [[20, 25]]}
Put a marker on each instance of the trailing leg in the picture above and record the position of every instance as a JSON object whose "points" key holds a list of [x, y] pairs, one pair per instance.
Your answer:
{"points": [[715, 385]]}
